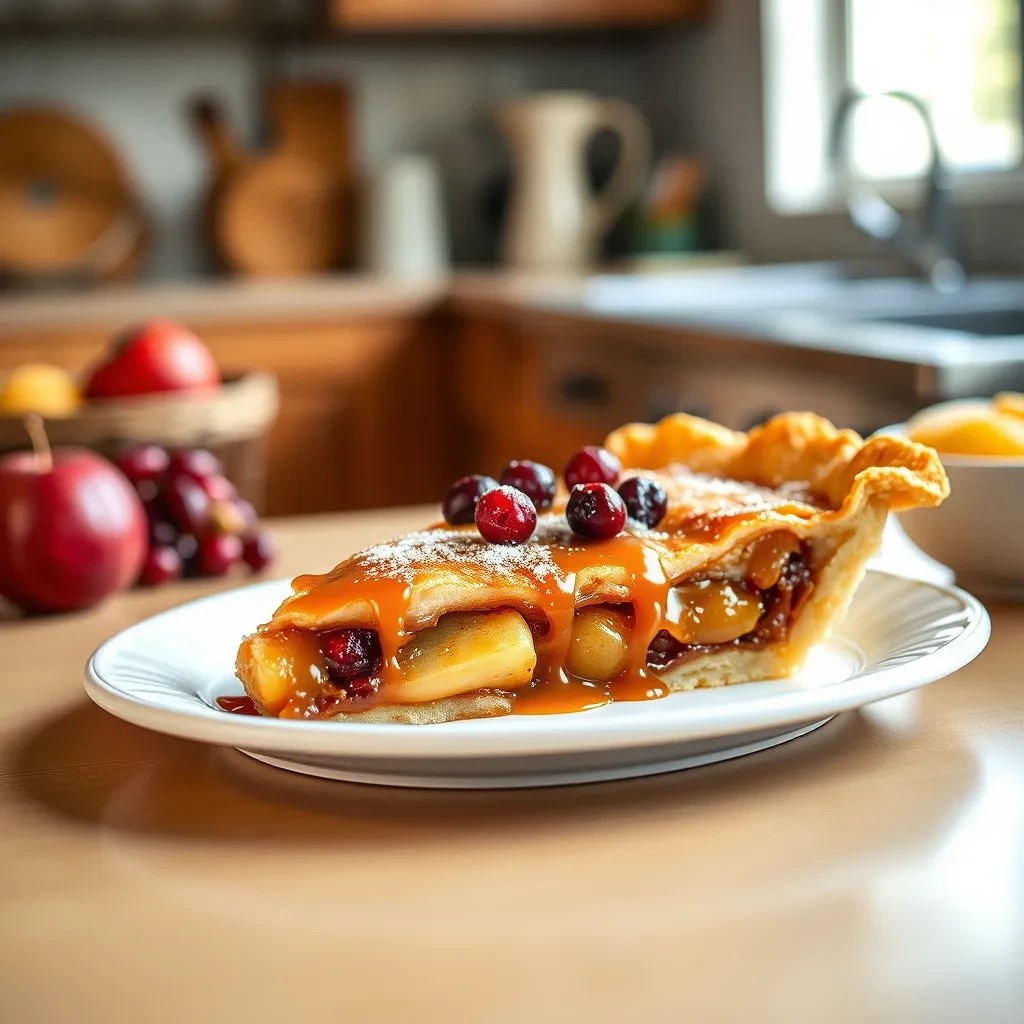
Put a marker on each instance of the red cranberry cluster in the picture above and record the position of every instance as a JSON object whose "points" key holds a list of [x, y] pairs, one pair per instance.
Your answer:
{"points": [[505, 510], [198, 523], [352, 656]]}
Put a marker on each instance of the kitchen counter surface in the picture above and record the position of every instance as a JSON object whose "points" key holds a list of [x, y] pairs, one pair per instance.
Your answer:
{"points": [[218, 300], [873, 870], [231, 300]]}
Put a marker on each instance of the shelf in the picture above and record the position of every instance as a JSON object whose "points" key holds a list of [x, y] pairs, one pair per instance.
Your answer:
{"points": [[499, 15]]}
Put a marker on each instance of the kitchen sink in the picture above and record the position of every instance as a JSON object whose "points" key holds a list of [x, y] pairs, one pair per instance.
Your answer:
{"points": [[986, 323], [741, 341], [986, 306]]}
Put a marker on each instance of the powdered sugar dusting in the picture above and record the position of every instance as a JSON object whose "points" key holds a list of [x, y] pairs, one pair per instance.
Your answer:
{"points": [[406, 556], [701, 493]]}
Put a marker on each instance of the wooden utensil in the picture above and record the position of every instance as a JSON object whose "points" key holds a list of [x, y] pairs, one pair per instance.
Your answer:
{"points": [[313, 120], [66, 202], [282, 213], [222, 148]]}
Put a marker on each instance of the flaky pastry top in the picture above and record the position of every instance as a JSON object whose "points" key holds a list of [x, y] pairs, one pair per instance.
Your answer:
{"points": [[726, 490]]}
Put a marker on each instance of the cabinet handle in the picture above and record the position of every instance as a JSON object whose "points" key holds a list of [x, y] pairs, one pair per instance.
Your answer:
{"points": [[584, 389]]}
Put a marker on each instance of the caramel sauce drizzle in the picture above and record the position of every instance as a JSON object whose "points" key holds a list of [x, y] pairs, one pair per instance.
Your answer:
{"points": [[546, 571], [554, 690], [237, 705]]}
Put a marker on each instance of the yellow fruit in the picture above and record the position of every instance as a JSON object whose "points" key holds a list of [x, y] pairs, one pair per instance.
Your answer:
{"points": [[968, 428], [465, 651], [37, 387], [1011, 403], [599, 648]]}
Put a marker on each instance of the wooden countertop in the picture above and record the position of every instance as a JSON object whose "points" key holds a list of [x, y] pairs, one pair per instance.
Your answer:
{"points": [[353, 294], [873, 870], [225, 300]]}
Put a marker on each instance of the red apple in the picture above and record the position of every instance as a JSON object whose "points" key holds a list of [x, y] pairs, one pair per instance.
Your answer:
{"points": [[72, 529], [156, 356]]}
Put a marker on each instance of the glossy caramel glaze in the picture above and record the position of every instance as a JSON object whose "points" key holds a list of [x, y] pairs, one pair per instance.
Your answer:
{"points": [[237, 705], [547, 580]]}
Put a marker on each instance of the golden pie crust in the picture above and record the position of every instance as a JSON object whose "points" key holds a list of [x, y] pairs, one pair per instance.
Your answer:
{"points": [[828, 488]]}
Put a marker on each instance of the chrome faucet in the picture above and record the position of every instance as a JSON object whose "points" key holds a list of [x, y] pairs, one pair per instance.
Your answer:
{"points": [[930, 244]]}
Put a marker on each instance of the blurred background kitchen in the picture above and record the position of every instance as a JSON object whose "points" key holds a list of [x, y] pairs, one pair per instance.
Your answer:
{"points": [[420, 238]]}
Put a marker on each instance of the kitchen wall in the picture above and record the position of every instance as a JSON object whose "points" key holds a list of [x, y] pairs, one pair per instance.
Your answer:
{"points": [[699, 85], [419, 94]]}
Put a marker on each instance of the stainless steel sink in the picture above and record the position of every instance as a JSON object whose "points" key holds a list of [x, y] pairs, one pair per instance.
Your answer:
{"points": [[737, 342], [983, 323], [986, 306]]}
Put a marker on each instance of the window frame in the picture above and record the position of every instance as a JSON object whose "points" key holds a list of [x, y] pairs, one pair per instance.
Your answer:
{"points": [[827, 193]]}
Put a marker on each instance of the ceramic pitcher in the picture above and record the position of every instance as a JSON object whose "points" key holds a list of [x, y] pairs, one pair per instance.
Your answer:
{"points": [[554, 221]]}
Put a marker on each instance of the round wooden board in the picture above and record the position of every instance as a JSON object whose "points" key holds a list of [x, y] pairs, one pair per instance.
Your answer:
{"points": [[62, 188], [280, 216]]}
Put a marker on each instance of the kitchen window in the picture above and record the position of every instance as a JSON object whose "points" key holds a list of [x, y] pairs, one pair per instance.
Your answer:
{"points": [[961, 57]]}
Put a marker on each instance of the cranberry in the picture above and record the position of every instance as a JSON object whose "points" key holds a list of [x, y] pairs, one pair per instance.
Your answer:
{"points": [[534, 479], [162, 564], [505, 516], [362, 688], [459, 503], [217, 553], [595, 510], [663, 649], [197, 462], [592, 465], [147, 490], [350, 654], [646, 500], [144, 463], [258, 551], [188, 505], [219, 488], [187, 549], [162, 532]]}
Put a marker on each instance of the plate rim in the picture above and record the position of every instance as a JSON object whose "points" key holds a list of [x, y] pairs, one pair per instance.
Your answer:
{"points": [[529, 735]]}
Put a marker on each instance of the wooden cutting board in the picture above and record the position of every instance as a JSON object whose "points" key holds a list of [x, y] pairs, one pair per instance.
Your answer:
{"points": [[284, 211], [313, 120], [66, 203], [281, 215]]}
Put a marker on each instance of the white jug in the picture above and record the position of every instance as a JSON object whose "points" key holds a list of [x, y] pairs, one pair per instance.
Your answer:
{"points": [[404, 232], [554, 222]]}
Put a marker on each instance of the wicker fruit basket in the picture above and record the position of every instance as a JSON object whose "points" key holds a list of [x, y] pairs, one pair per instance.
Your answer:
{"points": [[232, 422]]}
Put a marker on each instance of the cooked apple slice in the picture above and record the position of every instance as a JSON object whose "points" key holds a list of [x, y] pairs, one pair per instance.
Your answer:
{"points": [[465, 651], [274, 665], [599, 649], [711, 612]]}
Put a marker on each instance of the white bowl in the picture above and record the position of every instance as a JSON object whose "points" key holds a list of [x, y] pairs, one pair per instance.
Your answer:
{"points": [[978, 531]]}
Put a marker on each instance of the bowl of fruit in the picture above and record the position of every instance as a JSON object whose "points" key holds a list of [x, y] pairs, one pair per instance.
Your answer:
{"points": [[76, 528], [158, 384], [149, 471], [976, 530]]}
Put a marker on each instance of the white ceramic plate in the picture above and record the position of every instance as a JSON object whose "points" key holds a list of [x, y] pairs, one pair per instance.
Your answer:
{"points": [[166, 672]]}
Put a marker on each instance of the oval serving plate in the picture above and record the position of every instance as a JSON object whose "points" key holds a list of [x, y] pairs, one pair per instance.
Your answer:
{"points": [[165, 673]]}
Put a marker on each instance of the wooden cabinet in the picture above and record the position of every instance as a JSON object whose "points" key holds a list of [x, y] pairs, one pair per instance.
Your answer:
{"points": [[524, 395], [364, 401], [396, 15]]}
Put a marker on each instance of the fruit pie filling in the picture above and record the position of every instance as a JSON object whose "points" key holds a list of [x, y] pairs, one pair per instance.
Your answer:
{"points": [[586, 657]]}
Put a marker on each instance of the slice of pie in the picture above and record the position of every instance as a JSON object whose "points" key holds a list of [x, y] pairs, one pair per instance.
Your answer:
{"points": [[762, 545]]}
